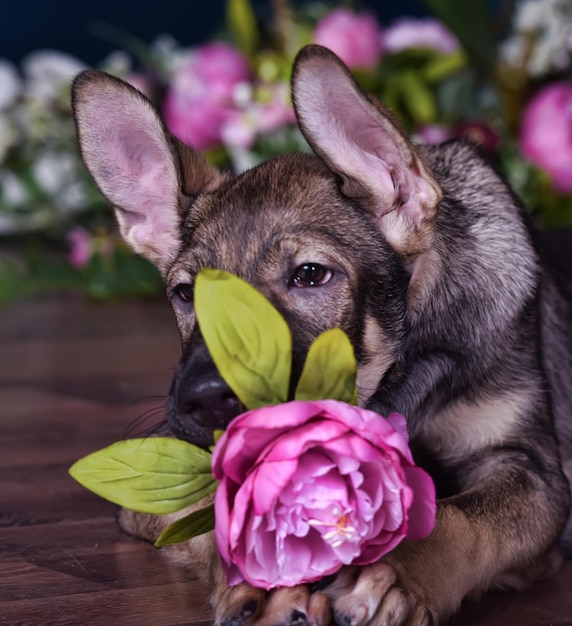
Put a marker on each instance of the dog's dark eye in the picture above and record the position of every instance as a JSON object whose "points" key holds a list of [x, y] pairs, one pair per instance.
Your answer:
{"points": [[311, 275], [184, 291]]}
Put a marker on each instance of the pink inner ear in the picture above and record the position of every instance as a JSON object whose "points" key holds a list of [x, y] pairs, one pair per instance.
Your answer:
{"points": [[128, 154], [356, 139]]}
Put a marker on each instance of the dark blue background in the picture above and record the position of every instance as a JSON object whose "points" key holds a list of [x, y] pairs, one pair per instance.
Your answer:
{"points": [[67, 25]]}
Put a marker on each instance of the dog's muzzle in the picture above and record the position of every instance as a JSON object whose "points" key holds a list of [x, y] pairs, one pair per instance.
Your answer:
{"points": [[200, 401]]}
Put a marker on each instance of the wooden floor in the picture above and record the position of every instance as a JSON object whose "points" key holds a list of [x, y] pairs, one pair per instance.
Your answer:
{"points": [[75, 377]]}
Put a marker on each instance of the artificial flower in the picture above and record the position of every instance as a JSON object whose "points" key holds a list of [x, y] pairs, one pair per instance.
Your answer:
{"points": [[307, 487]]}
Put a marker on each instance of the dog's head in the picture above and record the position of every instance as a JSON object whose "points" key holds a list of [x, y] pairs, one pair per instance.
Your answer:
{"points": [[331, 240]]}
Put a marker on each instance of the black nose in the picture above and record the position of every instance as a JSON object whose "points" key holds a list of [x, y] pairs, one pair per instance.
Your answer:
{"points": [[201, 402]]}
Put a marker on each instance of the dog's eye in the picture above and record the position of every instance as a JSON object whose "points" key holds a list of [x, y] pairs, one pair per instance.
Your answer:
{"points": [[184, 291], [311, 275]]}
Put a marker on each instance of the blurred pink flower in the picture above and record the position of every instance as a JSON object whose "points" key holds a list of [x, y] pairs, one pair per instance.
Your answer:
{"points": [[432, 134], [307, 487], [200, 96], [356, 39], [242, 127], [546, 133], [409, 32], [81, 246]]}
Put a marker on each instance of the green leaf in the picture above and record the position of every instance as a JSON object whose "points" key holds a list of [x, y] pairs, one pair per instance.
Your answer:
{"points": [[241, 21], [330, 369], [193, 525], [249, 341], [153, 475], [443, 65], [418, 98]]}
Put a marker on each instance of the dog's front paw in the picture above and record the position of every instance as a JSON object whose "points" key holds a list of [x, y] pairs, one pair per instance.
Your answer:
{"points": [[377, 595], [244, 605]]}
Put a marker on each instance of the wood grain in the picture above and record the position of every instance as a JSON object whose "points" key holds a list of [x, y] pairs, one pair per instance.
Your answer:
{"points": [[76, 376]]}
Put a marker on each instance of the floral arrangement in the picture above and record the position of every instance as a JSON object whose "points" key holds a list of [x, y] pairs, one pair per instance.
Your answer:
{"points": [[502, 79], [302, 485]]}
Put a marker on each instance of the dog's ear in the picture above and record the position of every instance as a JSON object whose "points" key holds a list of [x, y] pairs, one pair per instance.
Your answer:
{"points": [[359, 141], [142, 170]]}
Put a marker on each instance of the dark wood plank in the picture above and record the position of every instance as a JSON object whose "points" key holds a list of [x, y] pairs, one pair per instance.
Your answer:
{"points": [[74, 377]]}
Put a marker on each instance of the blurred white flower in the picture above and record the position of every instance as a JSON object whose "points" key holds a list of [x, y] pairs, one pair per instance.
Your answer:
{"points": [[52, 171], [542, 37], [56, 173], [8, 135], [47, 72], [12, 192], [10, 84]]}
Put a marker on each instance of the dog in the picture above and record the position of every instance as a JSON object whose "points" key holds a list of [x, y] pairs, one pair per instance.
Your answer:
{"points": [[425, 258]]}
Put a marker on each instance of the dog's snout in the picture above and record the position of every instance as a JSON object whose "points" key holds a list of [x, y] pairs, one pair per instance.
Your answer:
{"points": [[200, 401], [208, 401]]}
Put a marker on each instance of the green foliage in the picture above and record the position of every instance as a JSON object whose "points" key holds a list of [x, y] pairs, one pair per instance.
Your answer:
{"points": [[241, 23], [155, 475], [249, 341], [329, 370], [192, 525]]}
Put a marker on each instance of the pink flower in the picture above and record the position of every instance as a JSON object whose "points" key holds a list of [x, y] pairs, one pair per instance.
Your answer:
{"points": [[307, 487], [546, 133], [409, 32], [242, 127], [81, 246], [200, 97], [356, 39]]}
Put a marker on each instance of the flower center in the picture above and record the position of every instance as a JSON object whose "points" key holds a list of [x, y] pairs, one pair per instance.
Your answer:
{"points": [[341, 529]]}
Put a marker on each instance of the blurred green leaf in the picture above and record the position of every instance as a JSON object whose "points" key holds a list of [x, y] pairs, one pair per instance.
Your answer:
{"points": [[442, 66], [330, 369], [248, 340], [418, 98], [193, 525], [154, 475], [241, 21]]}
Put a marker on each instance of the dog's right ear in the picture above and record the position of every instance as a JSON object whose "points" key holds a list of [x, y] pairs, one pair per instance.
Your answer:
{"points": [[142, 170]]}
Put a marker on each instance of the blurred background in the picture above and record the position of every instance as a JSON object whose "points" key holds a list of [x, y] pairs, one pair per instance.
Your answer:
{"points": [[76, 27], [496, 72]]}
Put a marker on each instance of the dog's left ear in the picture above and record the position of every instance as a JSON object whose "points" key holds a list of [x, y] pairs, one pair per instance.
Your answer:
{"points": [[359, 141]]}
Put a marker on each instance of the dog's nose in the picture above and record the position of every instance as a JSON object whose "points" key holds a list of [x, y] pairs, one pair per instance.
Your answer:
{"points": [[200, 401], [208, 402]]}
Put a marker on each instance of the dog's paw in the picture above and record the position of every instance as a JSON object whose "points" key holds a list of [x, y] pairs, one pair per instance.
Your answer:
{"points": [[376, 596], [244, 605]]}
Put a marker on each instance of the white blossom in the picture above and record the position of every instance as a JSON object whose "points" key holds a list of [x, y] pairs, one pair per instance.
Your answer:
{"points": [[10, 84], [47, 72], [546, 25], [13, 193]]}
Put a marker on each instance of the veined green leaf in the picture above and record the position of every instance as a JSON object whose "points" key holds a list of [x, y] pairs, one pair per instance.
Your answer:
{"points": [[193, 525], [249, 341], [241, 22], [329, 370], [153, 475]]}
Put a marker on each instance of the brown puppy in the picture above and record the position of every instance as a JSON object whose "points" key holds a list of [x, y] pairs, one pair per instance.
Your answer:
{"points": [[423, 257]]}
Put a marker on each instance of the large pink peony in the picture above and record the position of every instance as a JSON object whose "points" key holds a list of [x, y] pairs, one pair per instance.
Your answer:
{"points": [[546, 133], [307, 487], [201, 94], [356, 39]]}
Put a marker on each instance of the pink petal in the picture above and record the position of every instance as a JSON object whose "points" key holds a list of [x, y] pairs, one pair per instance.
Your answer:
{"points": [[423, 508]]}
